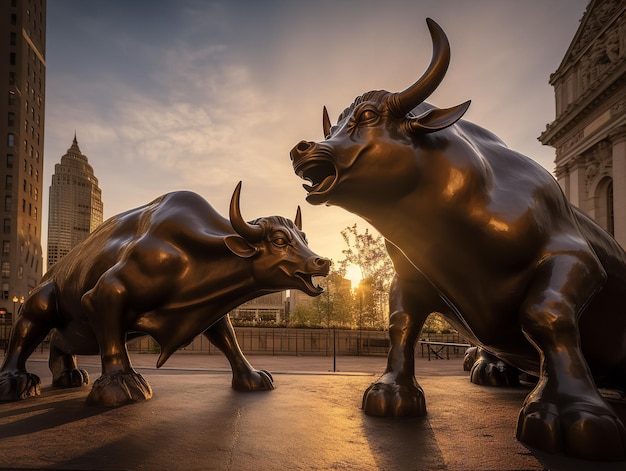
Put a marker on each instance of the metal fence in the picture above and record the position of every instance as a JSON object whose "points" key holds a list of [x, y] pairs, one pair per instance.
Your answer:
{"points": [[325, 342]]}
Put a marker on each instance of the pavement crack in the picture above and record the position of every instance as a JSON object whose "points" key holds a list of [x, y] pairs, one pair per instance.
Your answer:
{"points": [[236, 434]]}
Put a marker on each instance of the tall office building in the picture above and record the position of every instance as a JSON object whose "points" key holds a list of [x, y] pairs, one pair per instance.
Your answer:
{"points": [[75, 208], [22, 85]]}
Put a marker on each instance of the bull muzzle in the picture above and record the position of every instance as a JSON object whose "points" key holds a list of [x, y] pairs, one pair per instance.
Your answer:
{"points": [[316, 268], [314, 162]]}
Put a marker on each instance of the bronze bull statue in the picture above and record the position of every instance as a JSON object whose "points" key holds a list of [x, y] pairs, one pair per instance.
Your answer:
{"points": [[171, 269], [486, 237]]}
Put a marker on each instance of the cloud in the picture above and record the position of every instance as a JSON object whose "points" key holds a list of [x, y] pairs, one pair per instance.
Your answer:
{"points": [[199, 95]]}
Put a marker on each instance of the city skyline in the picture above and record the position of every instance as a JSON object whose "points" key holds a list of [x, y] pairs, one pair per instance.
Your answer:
{"points": [[194, 95]]}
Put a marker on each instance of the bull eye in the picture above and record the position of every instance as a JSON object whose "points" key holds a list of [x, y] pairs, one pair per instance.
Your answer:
{"points": [[280, 242], [280, 239], [366, 116]]}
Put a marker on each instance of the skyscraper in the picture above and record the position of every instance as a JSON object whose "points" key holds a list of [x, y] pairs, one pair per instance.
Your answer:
{"points": [[22, 85], [75, 207]]}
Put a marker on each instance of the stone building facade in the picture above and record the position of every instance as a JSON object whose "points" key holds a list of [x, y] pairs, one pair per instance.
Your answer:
{"points": [[589, 131]]}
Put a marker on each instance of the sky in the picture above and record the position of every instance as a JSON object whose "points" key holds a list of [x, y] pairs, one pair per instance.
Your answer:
{"points": [[198, 94]]}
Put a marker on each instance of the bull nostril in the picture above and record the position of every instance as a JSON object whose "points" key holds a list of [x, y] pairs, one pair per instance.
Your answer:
{"points": [[304, 146], [322, 262]]}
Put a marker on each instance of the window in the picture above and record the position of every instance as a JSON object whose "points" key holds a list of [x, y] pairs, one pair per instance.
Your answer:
{"points": [[6, 269], [11, 119], [10, 139], [20, 272], [12, 58], [8, 182], [5, 291], [6, 226], [13, 38], [9, 160], [6, 248], [11, 97], [8, 202]]}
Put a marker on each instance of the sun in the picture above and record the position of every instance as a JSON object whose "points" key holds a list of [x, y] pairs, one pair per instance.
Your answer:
{"points": [[353, 273]]}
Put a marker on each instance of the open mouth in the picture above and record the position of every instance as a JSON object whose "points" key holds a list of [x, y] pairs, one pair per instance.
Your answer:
{"points": [[320, 173], [311, 282]]}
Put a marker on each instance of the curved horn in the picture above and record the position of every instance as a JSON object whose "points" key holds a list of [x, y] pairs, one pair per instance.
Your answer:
{"points": [[326, 123], [403, 102], [298, 220], [252, 233]]}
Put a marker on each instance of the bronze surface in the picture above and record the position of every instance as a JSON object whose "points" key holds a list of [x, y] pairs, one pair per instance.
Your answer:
{"points": [[484, 236]]}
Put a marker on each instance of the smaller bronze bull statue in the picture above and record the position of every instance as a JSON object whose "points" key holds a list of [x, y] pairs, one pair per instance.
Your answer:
{"points": [[484, 236], [171, 269]]}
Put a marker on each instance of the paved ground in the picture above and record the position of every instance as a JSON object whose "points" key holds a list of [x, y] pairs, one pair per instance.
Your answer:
{"points": [[311, 421]]}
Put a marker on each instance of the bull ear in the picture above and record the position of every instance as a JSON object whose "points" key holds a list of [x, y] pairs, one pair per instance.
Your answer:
{"points": [[240, 246], [438, 119], [326, 123], [298, 220]]}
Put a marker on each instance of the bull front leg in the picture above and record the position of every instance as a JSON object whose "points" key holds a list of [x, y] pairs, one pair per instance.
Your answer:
{"points": [[564, 412], [245, 377], [37, 318], [397, 393], [106, 308]]}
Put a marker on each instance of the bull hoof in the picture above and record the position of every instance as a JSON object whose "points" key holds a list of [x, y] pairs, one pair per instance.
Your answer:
{"points": [[580, 430], [73, 378], [255, 380], [494, 373], [394, 400], [15, 386], [118, 389]]}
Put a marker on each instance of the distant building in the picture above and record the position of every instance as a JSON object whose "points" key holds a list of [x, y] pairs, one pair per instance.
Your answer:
{"points": [[589, 132], [75, 206], [22, 111], [267, 308]]}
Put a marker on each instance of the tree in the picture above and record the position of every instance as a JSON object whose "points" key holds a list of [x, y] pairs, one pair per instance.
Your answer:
{"points": [[303, 315], [368, 252], [333, 308]]}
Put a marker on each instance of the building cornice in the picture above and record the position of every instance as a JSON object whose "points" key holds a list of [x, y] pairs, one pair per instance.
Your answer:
{"points": [[615, 78]]}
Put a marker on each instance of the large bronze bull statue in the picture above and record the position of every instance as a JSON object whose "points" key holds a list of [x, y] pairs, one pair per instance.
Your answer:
{"points": [[486, 237], [171, 269]]}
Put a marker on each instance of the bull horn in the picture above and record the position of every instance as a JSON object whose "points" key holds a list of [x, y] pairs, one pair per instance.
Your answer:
{"points": [[403, 102], [326, 123], [252, 233], [298, 220]]}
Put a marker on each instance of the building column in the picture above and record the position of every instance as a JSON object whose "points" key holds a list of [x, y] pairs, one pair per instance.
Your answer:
{"points": [[562, 176], [618, 139], [577, 183]]}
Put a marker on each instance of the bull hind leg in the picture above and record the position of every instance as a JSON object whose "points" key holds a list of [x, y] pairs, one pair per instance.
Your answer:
{"points": [[565, 412], [119, 383], [245, 377], [37, 317], [65, 371], [397, 393], [489, 370]]}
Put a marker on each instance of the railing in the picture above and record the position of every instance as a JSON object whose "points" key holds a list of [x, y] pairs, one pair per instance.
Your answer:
{"points": [[302, 342], [436, 349]]}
